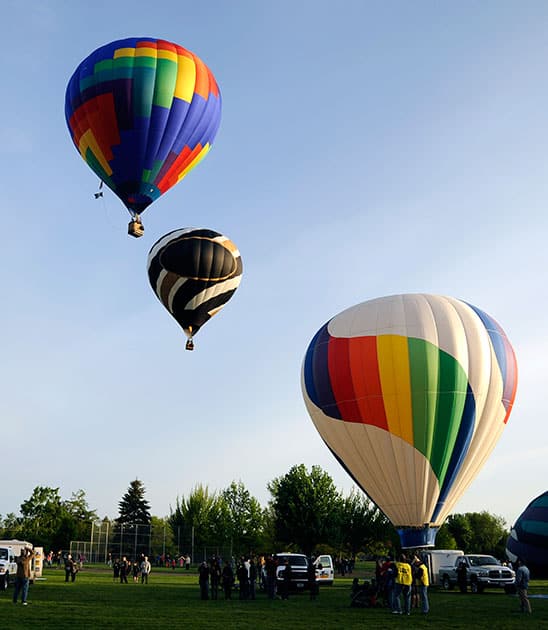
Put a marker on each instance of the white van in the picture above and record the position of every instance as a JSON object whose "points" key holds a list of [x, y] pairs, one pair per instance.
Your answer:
{"points": [[326, 573], [9, 550], [8, 567]]}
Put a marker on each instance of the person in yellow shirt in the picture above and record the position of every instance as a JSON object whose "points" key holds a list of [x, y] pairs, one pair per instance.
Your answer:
{"points": [[404, 580], [420, 572]]}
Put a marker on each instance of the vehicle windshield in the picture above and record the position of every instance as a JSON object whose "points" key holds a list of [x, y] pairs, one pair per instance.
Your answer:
{"points": [[325, 561], [480, 561], [3, 554], [294, 561]]}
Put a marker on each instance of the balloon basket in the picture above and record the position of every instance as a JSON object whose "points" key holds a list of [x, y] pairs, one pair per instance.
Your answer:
{"points": [[135, 228], [417, 537], [189, 345]]}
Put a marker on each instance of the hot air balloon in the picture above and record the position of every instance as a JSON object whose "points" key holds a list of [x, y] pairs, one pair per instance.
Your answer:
{"points": [[194, 272], [528, 538], [411, 393], [142, 112]]}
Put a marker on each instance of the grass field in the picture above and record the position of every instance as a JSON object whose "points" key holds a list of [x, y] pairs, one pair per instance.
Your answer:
{"points": [[171, 600]]}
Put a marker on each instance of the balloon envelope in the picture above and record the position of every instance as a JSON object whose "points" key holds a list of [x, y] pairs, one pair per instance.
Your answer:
{"points": [[194, 272], [142, 112], [528, 538], [411, 393]]}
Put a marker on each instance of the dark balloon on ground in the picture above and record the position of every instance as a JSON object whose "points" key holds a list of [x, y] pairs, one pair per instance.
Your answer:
{"points": [[528, 538]]}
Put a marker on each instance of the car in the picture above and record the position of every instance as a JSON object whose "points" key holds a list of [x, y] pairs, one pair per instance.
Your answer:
{"points": [[299, 570], [324, 569]]}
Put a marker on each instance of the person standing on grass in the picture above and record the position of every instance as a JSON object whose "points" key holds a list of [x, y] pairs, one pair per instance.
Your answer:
{"points": [[187, 562], [22, 575], [252, 572], [462, 579], [388, 573], [422, 581], [404, 580], [215, 577], [115, 570], [124, 570], [311, 575], [243, 579], [69, 568], [286, 579], [227, 579], [522, 584], [145, 570], [270, 567], [203, 579]]}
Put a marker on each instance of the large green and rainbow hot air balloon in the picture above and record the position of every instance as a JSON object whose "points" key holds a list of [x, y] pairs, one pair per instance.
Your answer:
{"points": [[142, 112], [411, 393]]}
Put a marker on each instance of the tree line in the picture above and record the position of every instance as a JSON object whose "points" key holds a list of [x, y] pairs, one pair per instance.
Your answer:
{"points": [[305, 513]]}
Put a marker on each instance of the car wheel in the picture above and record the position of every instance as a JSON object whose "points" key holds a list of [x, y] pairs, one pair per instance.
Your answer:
{"points": [[474, 587], [446, 583], [4, 582]]}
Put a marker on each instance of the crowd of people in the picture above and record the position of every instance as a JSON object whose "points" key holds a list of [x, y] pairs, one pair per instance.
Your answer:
{"points": [[400, 585], [138, 570], [249, 575]]}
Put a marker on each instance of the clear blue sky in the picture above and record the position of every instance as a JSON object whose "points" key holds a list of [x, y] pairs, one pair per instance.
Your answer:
{"points": [[366, 148]]}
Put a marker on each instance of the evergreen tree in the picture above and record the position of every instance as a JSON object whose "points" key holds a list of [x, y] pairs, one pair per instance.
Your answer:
{"points": [[134, 508]]}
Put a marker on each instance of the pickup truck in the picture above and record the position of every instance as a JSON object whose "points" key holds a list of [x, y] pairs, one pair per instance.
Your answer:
{"points": [[299, 570], [481, 572]]}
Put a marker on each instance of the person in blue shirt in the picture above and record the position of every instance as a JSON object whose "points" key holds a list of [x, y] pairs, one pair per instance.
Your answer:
{"points": [[522, 584]]}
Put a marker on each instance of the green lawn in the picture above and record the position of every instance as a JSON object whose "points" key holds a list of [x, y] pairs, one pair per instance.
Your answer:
{"points": [[171, 599]]}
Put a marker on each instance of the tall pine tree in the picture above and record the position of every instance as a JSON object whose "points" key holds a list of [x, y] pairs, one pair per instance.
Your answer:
{"points": [[134, 508]]}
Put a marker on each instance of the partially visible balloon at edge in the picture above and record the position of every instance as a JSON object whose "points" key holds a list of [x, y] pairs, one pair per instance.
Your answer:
{"points": [[411, 394], [142, 112], [528, 539]]}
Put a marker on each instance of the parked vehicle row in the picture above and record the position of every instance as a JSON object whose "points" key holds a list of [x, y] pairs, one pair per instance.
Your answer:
{"points": [[480, 571]]}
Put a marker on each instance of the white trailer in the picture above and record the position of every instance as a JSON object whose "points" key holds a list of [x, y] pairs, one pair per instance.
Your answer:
{"points": [[9, 550], [436, 558]]}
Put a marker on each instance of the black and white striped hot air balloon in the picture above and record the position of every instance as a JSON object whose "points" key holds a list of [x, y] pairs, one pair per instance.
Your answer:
{"points": [[194, 272]]}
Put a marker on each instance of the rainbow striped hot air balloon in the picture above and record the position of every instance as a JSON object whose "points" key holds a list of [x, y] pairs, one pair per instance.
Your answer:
{"points": [[142, 112], [411, 393]]}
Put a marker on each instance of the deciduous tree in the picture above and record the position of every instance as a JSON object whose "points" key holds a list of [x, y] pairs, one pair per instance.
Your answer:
{"points": [[363, 527], [479, 532], [52, 522], [198, 513], [241, 518], [305, 506]]}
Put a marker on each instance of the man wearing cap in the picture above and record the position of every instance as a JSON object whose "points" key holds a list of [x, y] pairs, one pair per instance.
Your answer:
{"points": [[421, 572]]}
